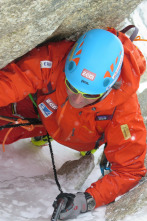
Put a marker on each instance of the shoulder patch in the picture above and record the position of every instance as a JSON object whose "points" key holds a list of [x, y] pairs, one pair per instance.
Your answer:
{"points": [[126, 132], [45, 111], [51, 104], [46, 64]]}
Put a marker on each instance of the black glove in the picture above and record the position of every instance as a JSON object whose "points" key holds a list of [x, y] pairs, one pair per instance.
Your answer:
{"points": [[74, 204]]}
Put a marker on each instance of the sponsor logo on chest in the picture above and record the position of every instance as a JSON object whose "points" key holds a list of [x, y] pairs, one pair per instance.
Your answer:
{"points": [[45, 111], [47, 107], [51, 104]]}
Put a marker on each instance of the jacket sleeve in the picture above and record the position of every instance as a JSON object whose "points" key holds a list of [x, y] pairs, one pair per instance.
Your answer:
{"points": [[20, 78], [126, 149]]}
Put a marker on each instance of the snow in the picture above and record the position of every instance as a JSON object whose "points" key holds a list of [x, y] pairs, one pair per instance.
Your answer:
{"points": [[140, 215], [27, 185], [142, 87], [28, 188]]}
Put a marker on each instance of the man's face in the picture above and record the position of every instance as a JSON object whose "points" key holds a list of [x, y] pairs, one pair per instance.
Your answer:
{"points": [[77, 100]]}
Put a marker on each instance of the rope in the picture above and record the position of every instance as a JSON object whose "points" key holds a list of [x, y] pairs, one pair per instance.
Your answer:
{"points": [[5, 138], [14, 122], [138, 38], [53, 164]]}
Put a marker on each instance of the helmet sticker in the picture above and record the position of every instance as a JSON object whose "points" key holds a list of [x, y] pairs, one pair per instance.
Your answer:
{"points": [[120, 63], [72, 52], [81, 44], [88, 74]]}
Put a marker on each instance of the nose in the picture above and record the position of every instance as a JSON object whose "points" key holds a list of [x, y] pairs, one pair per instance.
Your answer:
{"points": [[78, 98]]}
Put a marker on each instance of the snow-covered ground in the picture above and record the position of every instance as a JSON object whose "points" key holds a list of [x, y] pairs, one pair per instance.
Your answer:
{"points": [[27, 186]]}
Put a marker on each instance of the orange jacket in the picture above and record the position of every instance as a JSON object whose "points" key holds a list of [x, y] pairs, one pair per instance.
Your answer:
{"points": [[118, 116]]}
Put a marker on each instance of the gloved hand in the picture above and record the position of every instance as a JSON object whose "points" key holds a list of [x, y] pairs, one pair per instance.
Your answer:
{"points": [[74, 204]]}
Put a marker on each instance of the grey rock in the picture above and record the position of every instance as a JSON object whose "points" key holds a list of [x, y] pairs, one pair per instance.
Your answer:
{"points": [[128, 204], [75, 172], [25, 24], [142, 97]]}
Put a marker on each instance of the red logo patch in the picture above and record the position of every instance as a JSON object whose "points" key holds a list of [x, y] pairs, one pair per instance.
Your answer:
{"points": [[51, 104], [88, 74], [76, 207]]}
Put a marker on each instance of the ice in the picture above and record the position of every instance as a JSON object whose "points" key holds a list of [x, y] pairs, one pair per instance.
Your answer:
{"points": [[27, 185]]}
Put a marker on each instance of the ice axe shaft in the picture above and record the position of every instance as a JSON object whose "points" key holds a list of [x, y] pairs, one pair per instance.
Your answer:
{"points": [[60, 205]]}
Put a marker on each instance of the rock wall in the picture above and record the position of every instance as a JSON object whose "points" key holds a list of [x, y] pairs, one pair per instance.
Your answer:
{"points": [[129, 204], [26, 23]]}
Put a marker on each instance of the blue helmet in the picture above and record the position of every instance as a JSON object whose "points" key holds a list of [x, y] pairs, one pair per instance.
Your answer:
{"points": [[94, 63]]}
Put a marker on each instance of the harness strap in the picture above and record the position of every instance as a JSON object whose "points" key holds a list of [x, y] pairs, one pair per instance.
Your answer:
{"points": [[134, 34], [34, 104], [17, 122]]}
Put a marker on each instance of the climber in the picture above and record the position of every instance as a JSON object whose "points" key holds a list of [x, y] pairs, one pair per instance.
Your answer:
{"points": [[82, 92]]}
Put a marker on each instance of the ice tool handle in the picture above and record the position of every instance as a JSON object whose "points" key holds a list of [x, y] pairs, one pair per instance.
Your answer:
{"points": [[58, 205]]}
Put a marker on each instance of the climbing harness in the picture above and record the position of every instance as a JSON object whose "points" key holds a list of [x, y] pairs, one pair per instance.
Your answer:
{"points": [[27, 123], [133, 36]]}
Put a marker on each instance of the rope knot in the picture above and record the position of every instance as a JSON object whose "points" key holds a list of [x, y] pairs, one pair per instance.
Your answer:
{"points": [[27, 127], [21, 123]]}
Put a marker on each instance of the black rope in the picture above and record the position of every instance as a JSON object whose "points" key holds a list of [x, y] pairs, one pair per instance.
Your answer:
{"points": [[53, 164], [10, 118], [14, 125], [33, 121]]}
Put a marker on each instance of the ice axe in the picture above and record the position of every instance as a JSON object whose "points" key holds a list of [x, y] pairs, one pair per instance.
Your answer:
{"points": [[58, 205]]}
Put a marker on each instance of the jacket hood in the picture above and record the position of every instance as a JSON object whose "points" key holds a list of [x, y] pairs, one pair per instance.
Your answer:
{"points": [[134, 65]]}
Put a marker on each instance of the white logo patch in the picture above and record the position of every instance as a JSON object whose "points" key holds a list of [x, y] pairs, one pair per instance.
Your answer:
{"points": [[46, 64], [45, 111]]}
